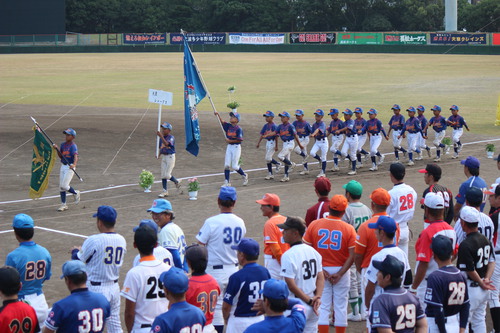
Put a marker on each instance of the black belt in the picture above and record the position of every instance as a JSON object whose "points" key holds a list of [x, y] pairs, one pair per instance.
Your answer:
{"points": [[397, 129], [99, 283], [350, 135], [320, 139], [287, 140], [222, 266], [497, 252], [145, 325], [474, 283], [303, 136], [372, 134], [235, 144]]}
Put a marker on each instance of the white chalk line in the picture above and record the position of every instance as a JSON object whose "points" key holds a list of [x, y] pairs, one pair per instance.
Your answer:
{"points": [[14, 100], [51, 230], [198, 176]]}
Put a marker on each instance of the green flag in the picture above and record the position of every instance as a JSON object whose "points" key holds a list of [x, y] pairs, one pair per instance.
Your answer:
{"points": [[41, 165]]}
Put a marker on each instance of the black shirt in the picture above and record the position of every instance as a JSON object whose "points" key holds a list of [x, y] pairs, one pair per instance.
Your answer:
{"points": [[475, 253]]}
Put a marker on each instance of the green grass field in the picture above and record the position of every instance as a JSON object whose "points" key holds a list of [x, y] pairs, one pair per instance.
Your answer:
{"points": [[264, 81]]}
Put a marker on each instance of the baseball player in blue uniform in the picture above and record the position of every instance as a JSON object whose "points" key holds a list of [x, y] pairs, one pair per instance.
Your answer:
{"points": [[396, 124], [33, 262], [421, 140], [359, 124], [457, 123], [321, 143], [68, 153], [181, 316], [167, 152], [412, 126], [234, 137], [447, 295], [439, 125], [335, 125], [244, 288], [303, 129], [268, 133], [375, 129], [351, 141], [288, 134], [83, 310]]}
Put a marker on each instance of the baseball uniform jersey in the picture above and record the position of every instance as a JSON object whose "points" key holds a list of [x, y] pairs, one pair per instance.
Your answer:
{"points": [[396, 124], [203, 292], [320, 210], [68, 151], [473, 181], [303, 129], [335, 125], [159, 253], [485, 227], [233, 150], [274, 235], [351, 142], [181, 317], [172, 237], [448, 201], [374, 128], [269, 130], [167, 153], [402, 209], [17, 316], [294, 323], [439, 126], [356, 213], [321, 142]]}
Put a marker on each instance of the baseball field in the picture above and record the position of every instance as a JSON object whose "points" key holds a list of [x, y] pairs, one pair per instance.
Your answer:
{"points": [[104, 98]]}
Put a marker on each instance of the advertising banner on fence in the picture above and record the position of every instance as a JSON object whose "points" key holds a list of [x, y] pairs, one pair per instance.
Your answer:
{"points": [[144, 38], [312, 37], [199, 38], [359, 38], [256, 39], [390, 38], [495, 39], [457, 38]]}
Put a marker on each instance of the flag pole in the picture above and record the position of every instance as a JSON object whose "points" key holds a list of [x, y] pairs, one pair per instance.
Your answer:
{"points": [[203, 83], [57, 149], [157, 137]]}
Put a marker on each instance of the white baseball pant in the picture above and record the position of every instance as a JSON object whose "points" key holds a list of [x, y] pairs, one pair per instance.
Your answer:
{"points": [[222, 278], [421, 141], [240, 324], [350, 146], [396, 143], [361, 141], [273, 266], [321, 145], [167, 165], [452, 324], [375, 141], [209, 329], [65, 176], [478, 299], [141, 330], [404, 238], [232, 160], [494, 301], [311, 320], [412, 139], [39, 303], [111, 291], [270, 146], [438, 137], [304, 141], [286, 150], [336, 142], [355, 288], [364, 283], [456, 134], [421, 289], [338, 292]]}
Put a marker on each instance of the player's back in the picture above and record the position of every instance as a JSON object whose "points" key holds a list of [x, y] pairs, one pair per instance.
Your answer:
{"points": [[306, 262], [485, 227], [446, 288], [159, 253], [273, 234], [394, 251], [103, 253], [171, 236], [203, 292], [181, 317], [356, 213], [402, 206], [17, 316]]}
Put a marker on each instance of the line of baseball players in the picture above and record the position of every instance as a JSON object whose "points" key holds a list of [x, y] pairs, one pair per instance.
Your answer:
{"points": [[313, 261]]}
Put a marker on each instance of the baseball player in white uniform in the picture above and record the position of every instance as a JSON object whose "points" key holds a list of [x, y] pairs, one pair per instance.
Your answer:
{"points": [[474, 199], [359, 125], [337, 139], [494, 302], [302, 270], [303, 129], [68, 153], [403, 201], [376, 130], [288, 134], [396, 125], [321, 140], [159, 252], [103, 254], [268, 133], [218, 234], [421, 144], [351, 141], [167, 152]]}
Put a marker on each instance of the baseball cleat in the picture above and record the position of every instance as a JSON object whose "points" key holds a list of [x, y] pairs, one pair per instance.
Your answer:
{"points": [[278, 167], [62, 208], [226, 183], [437, 159], [245, 180], [284, 179], [304, 172], [321, 174], [381, 159], [335, 168], [352, 317], [77, 197], [373, 168], [269, 176], [419, 157], [352, 172], [359, 165], [163, 194], [410, 163]]}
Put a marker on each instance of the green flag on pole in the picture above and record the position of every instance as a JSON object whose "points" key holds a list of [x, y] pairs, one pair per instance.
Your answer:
{"points": [[41, 165]]}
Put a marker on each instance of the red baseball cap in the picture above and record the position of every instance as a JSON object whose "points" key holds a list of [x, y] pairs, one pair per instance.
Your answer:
{"points": [[322, 184], [270, 199]]}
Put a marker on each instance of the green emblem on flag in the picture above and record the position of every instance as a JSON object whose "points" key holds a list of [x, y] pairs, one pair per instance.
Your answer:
{"points": [[41, 165]]}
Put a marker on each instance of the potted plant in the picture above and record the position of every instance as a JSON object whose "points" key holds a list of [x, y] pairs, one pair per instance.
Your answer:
{"points": [[193, 188], [447, 142], [146, 180], [233, 105], [490, 150]]}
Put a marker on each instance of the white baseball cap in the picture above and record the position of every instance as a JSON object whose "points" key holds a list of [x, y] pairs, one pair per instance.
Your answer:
{"points": [[434, 200], [469, 214]]}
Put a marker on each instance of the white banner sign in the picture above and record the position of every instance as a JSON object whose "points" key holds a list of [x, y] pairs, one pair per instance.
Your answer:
{"points": [[256, 39], [160, 97]]}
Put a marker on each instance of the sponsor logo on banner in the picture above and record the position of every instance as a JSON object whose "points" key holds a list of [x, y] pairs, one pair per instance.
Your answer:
{"points": [[144, 38], [457, 38], [359, 38], [390, 38], [199, 38], [256, 39], [313, 37]]}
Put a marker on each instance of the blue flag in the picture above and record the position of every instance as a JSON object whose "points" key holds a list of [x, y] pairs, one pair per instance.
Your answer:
{"points": [[194, 92]]}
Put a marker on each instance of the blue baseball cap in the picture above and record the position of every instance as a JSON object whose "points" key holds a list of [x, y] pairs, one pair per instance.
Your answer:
{"points": [[149, 223], [421, 108], [275, 289], [436, 108], [396, 107], [385, 223], [268, 114], [73, 267], [391, 265], [319, 112], [70, 131], [299, 112], [454, 107], [235, 114], [247, 246], [106, 214], [284, 114], [347, 111], [160, 206], [166, 125], [471, 162], [23, 221], [373, 111], [358, 110], [333, 111], [228, 193], [411, 109], [442, 245], [175, 280]]}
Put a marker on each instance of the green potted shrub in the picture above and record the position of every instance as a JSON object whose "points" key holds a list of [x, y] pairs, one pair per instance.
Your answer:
{"points": [[233, 105], [447, 142], [490, 150], [146, 180]]}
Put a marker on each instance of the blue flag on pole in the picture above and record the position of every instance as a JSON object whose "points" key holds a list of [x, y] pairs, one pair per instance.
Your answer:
{"points": [[194, 92]]}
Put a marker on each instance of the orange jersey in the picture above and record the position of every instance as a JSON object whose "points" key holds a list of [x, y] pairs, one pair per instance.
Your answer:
{"points": [[202, 292], [332, 238], [366, 240], [273, 234]]}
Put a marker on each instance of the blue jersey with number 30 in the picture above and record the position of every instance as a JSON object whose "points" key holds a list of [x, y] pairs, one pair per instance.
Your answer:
{"points": [[182, 317]]}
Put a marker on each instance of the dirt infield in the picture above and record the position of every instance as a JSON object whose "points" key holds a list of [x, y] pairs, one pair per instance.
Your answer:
{"points": [[116, 144]]}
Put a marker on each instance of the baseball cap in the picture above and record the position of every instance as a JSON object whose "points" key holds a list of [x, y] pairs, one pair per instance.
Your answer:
{"points": [[228, 193], [175, 280], [471, 162], [432, 169], [381, 196], [160, 205], [106, 214], [284, 114], [353, 187], [434, 200], [248, 246], [420, 108], [391, 265], [73, 267], [397, 169], [333, 111], [493, 190], [474, 196], [196, 252], [411, 109], [454, 107], [299, 112], [23, 221], [442, 246], [373, 111], [385, 223], [146, 237], [323, 184], [166, 125], [10, 278], [293, 223], [269, 199], [149, 223], [275, 289], [268, 114], [347, 111], [358, 110], [235, 114], [396, 107], [319, 112], [469, 214], [70, 131], [338, 202], [436, 108]]}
